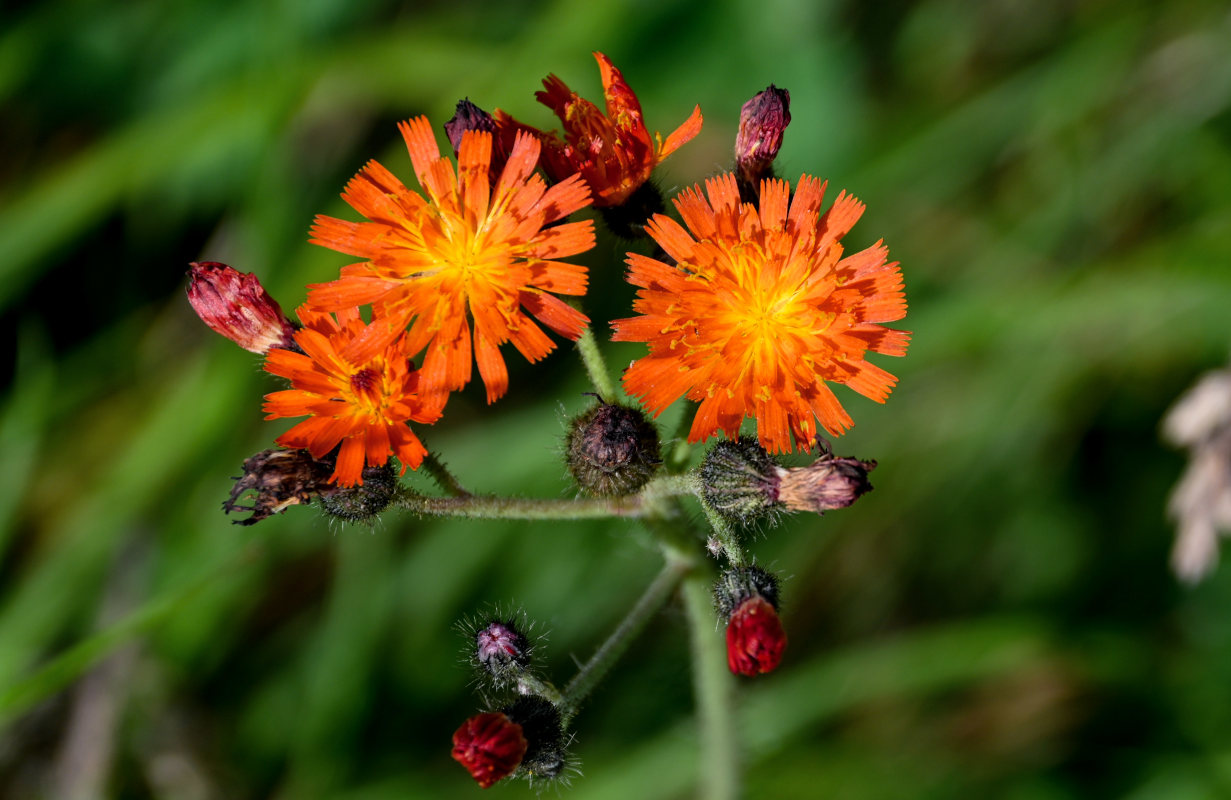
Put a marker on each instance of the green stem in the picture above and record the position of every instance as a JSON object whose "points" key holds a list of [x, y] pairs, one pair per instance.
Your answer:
{"points": [[478, 506], [443, 477], [713, 685], [655, 597], [596, 366], [532, 684], [493, 507], [726, 536]]}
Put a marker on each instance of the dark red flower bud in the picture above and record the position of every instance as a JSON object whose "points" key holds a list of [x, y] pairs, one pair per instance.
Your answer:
{"points": [[755, 639], [612, 449], [469, 117], [762, 121], [829, 483], [490, 746], [747, 598], [235, 304]]}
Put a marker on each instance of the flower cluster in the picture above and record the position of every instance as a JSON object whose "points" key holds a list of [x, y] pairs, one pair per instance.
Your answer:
{"points": [[749, 305]]}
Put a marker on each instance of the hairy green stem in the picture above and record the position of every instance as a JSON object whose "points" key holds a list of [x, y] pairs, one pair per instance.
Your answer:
{"points": [[713, 686], [478, 506], [493, 507], [596, 366], [726, 536], [443, 477], [593, 671], [532, 684]]}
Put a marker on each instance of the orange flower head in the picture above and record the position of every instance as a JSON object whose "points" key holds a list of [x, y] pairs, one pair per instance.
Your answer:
{"points": [[614, 153], [359, 400], [760, 311], [468, 251]]}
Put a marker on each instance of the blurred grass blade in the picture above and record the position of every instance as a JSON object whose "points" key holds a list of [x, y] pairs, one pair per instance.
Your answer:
{"points": [[69, 666]]}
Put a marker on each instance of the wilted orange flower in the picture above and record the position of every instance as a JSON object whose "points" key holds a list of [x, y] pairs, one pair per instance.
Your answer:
{"points": [[362, 401], [468, 251], [614, 153], [760, 310]]}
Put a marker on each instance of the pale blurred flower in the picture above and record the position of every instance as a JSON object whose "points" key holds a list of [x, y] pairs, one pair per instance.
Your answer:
{"points": [[1201, 502]]}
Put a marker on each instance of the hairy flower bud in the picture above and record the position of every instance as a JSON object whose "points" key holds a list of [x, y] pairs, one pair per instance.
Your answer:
{"points": [[525, 737], [828, 483], [502, 651], [612, 449], [235, 305], [755, 639], [364, 501], [490, 746], [739, 480], [762, 121], [747, 598]]}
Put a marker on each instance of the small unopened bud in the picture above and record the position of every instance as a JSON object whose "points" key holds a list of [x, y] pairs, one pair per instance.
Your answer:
{"points": [[364, 501], [280, 479], [490, 746], [502, 651], [762, 121], [739, 480], [747, 598], [235, 305], [469, 117], [612, 449]]}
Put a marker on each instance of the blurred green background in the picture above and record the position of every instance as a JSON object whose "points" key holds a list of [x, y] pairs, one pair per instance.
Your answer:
{"points": [[997, 619]]}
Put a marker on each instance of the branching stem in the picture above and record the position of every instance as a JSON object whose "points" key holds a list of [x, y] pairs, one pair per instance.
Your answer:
{"points": [[654, 598]]}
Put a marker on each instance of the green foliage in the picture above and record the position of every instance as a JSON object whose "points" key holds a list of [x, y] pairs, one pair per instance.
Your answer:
{"points": [[996, 619]]}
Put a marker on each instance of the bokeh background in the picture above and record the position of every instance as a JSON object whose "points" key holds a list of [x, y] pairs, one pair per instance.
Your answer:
{"points": [[997, 619]]}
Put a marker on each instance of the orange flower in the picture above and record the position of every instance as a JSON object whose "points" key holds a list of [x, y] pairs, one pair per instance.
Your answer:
{"points": [[469, 250], [614, 153], [362, 401], [760, 310]]}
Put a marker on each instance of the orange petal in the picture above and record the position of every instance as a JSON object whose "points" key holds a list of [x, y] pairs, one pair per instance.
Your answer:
{"points": [[349, 470], [681, 135], [421, 144], [491, 367], [555, 314]]}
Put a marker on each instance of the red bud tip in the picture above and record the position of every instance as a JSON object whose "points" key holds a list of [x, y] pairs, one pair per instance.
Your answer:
{"points": [[755, 639], [490, 746]]}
